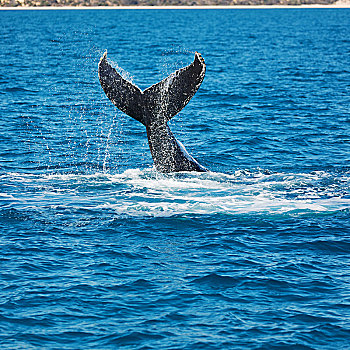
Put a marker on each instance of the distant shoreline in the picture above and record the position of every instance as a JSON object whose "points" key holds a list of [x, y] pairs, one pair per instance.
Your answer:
{"points": [[339, 4]]}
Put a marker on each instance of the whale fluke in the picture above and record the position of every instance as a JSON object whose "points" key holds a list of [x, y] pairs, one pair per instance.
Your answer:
{"points": [[175, 91], [155, 106], [124, 95]]}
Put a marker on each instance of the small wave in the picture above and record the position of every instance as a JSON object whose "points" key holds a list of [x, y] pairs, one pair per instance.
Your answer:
{"points": [[131, 338], [214, 280], [18, 89]]}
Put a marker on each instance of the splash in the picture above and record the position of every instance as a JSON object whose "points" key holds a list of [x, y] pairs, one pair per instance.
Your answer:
{"points": [[148, 193]]}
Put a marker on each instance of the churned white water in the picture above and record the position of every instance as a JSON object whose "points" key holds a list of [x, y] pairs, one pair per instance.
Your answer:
{"points": [[148, 193]]}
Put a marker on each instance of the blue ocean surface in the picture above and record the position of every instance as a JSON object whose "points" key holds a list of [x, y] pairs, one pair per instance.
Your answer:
{"points": [[100, 251]]}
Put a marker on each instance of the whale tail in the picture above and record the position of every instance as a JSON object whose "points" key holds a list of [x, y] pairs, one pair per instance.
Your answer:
{"points": [[158, 103]]}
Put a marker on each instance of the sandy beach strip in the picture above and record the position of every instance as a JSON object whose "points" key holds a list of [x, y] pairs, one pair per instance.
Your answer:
{"points": [[338, 4]]}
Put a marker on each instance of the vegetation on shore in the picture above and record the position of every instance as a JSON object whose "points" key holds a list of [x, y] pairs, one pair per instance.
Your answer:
{"points": [[58, 3]]}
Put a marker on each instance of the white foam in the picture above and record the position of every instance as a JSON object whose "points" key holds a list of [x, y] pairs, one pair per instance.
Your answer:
{"points": [[148, 193]]}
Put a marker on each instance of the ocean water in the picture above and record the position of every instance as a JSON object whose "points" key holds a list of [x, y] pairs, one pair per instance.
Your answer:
{"points": [[99, 251]]}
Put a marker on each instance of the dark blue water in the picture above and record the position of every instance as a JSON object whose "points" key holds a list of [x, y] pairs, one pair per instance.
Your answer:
{"points": [[99, 251]]}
